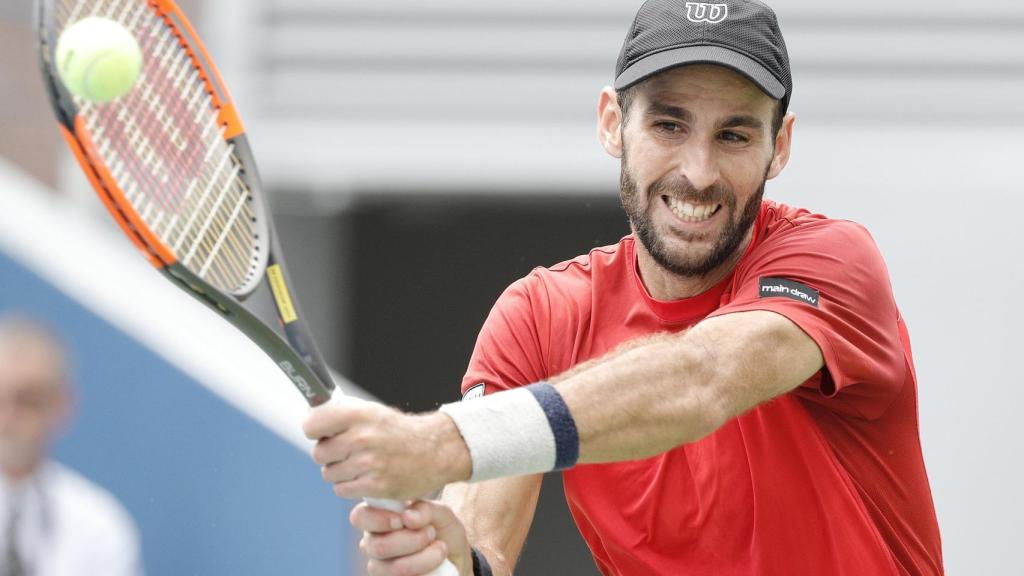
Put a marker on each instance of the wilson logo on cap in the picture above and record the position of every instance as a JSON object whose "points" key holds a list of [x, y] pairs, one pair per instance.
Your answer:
{"points": [[698, 12]]}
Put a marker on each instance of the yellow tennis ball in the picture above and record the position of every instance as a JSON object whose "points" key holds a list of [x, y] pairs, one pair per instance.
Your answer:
{"points": [[98, 59]]}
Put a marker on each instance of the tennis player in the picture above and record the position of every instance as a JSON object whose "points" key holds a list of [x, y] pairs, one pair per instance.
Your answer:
{"points": [[729, 390]]}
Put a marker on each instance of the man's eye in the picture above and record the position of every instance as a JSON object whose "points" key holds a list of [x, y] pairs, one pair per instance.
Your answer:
{"points": [[730, 136], [668, 127]]}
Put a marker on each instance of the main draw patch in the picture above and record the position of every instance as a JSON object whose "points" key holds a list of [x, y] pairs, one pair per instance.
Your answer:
{"points": [[783, 288]]}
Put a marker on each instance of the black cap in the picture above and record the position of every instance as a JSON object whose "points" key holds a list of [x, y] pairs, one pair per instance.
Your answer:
{"points": [[742, 35]]}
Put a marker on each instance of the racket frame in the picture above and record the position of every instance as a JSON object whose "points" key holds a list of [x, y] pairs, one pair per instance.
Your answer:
{"points": [[296, 354]]}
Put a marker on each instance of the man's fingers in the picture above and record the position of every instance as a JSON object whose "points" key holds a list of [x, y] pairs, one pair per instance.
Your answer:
{"points": [[324, 421], [420, 563], [370, 519], [424, 512], [333, 418], [449, 529], [415, 541], [397, 544], [342, 469], [360, 487], [330, 450]]}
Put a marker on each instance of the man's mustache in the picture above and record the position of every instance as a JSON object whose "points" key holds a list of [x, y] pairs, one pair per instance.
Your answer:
{"points": [[682, 188]]}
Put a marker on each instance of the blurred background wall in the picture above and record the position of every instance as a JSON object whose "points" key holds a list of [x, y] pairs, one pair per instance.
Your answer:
{"points": [[424, 155]]}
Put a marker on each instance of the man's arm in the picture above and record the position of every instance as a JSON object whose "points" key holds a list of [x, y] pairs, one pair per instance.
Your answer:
{"points": [[641, 399], [497, 515], [667, 391], [676, 389]]}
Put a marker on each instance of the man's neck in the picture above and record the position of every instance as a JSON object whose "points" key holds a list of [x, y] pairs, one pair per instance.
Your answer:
{"points": [[663, 284], [14, 476]]}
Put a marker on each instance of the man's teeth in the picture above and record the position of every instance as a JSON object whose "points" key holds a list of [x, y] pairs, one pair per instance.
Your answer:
{"points": [[692, 213]]}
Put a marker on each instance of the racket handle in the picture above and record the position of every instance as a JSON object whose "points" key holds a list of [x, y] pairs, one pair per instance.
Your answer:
{"points": [[445, 569]]}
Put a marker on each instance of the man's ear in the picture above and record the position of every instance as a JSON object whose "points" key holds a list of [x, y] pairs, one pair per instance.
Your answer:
{"points": [[783, 146], [609, 122]]}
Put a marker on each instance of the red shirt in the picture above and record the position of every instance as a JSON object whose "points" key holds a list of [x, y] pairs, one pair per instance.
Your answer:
{"points": [[826, 480]]}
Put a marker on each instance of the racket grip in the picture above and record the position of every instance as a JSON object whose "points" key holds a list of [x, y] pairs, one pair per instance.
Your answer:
{"points": [[445, 569]]}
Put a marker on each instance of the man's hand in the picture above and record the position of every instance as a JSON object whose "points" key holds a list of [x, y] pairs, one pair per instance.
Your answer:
{"points": [[370, 450], [413, 542]]}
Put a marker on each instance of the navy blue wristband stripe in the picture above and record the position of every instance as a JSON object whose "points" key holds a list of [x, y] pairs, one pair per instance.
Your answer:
{"points": [[567, 437]]}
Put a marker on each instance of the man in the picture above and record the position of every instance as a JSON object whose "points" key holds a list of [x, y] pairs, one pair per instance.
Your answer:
{"points": [[730, 389], [54, 522]]}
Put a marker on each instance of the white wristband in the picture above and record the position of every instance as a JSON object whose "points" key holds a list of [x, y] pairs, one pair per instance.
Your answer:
{"points": [[521, 431]]}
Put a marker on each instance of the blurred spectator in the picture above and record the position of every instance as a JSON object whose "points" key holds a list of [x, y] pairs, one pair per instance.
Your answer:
{"points": [[53, 522]]}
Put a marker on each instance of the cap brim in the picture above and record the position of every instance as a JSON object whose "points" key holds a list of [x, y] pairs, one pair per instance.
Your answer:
{"points": [[661, 61]]}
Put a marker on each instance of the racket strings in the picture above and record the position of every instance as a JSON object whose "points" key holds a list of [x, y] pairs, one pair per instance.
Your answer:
{"points": [[148, 156], [212, 137], [165, 147]]}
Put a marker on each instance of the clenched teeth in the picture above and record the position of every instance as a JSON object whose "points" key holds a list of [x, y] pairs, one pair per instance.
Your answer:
{"points": [[690, 212]]}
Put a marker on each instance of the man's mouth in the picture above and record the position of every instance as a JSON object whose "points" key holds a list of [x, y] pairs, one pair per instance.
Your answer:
{"points": [[688, 212]]}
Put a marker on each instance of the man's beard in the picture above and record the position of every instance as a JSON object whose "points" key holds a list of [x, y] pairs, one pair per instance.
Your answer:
{"points": [[687, 265]]}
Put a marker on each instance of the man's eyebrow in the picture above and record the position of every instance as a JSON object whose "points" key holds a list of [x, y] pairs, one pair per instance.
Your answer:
{"points": [[743, 122], [656, 108], [661, 109]]}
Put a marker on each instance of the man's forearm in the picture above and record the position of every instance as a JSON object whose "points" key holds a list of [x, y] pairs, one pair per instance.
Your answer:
{"points": [[676, 389], [497, 516], [618, 351], [640, 401]]}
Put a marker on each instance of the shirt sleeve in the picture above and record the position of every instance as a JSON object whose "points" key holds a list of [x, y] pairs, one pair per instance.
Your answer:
{"points": [[508, 351], [828, 277]]}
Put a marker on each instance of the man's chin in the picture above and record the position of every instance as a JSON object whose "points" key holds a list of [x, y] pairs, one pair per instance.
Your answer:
{"points": [[690, 251], [18, 462], [683, 259]]}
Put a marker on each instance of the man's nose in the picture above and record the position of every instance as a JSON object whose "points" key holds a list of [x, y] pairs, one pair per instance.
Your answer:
{"points": [[699, 164]]}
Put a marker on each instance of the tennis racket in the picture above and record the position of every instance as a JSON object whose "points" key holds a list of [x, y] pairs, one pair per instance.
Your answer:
{"points": [[171, 162]]}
